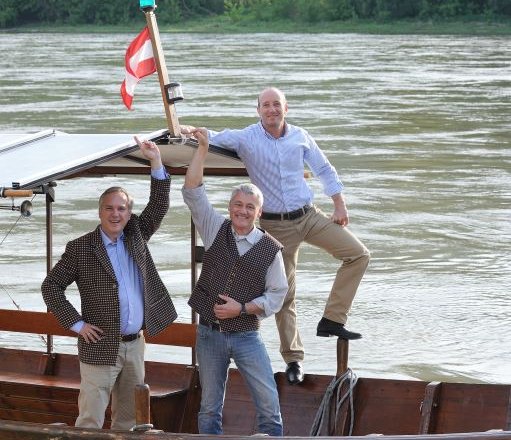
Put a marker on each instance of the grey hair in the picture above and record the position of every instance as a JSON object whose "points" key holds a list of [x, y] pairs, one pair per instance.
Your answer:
{"points": [[118, 189], [249, 189]]}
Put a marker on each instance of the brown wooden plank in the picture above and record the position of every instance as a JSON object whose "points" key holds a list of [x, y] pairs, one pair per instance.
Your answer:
{"points": [[32, 322], [428, 406], [21, 321], [472, 407], [66, 365], [38, 392], [178, 333], [385, 406], [42, 406], [17, 415], [167, 411], [16, 364], [189, 421], [508, 423], [168, 376], [100, 171], [40, 380], [300, 403], [21, 360], [54, 387], [239, 415]]}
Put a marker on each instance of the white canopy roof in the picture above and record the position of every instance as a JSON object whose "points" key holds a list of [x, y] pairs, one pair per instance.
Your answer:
{"points": [[27, 161]]}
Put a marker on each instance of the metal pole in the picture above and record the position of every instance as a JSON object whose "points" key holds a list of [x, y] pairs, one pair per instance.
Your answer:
{"points": [[194, 276], [49, 252], [163, 76]]}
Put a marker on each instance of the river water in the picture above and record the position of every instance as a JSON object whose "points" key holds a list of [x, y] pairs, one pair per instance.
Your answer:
{"points": [[417, 126]]}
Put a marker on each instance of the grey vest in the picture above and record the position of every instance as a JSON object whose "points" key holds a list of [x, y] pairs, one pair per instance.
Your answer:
{"points": [[225, 272]]}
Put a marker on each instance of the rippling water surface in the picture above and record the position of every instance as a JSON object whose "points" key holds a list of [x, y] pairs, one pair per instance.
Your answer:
{"points": [[418, 127]]}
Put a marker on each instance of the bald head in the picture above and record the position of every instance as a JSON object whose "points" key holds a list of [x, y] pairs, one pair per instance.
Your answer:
{"points": [[272, 109], [271, 92]]}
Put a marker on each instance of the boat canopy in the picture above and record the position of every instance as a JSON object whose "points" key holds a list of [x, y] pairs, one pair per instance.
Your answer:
{"points": [[31, 160]]}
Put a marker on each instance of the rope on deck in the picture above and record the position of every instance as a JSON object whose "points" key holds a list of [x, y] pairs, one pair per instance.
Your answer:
{"points": [[345, 382]]}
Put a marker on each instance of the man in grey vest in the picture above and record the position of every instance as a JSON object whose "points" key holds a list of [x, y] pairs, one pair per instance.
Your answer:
{"points": [[242, 281]]}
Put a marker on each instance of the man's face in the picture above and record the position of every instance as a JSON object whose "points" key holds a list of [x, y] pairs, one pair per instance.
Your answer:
{"points": [[114, 213], [244, 209], [272, 109]]}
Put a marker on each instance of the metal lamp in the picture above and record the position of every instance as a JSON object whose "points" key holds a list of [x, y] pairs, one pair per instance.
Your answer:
{"points": [[173, 92], [25, 208]]}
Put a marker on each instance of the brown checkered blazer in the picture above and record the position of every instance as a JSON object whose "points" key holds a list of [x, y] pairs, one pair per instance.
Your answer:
{"points": [[85, 262]]}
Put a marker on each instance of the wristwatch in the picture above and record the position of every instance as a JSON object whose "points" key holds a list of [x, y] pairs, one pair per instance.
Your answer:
{"points": [[243, 310]]}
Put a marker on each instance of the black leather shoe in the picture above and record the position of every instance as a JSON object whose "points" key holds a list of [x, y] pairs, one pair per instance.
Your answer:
{"points": [[327, 328], [294, 373]]}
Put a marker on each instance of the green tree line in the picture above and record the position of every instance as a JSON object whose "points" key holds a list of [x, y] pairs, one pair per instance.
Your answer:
{"points": [[14, 13]]}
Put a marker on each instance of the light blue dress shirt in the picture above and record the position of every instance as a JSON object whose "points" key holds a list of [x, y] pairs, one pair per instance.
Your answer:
{"points": [[277, 166], [129, 281]]}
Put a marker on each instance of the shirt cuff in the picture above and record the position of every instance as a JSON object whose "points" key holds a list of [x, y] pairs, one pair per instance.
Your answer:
{"points": [[159, 174], [194, 193], [77, 326], [259, 302], [334, 189]]}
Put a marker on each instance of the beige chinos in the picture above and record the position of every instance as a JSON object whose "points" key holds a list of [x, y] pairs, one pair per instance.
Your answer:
{"points": [[98, 381], [316, 229]]}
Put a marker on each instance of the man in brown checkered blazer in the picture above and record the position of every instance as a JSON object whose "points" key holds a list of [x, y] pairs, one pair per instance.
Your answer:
{"points": [[121, 293]]}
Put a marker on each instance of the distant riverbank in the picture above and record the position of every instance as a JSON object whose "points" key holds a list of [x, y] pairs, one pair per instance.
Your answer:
{"points": [[224, 25]]}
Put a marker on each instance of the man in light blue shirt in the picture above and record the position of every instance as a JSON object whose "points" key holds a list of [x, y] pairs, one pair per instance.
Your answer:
{"points": [[275, 154]]}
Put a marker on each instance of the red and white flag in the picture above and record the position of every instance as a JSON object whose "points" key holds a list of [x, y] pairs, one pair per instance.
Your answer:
{"points": [[139, 62]]}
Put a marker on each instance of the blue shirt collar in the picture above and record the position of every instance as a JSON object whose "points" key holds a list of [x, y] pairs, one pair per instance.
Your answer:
{"points": [[106, 238], [270, 135]]}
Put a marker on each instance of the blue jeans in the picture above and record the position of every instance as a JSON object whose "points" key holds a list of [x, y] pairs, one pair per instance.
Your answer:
{"points": [[214, 352]]}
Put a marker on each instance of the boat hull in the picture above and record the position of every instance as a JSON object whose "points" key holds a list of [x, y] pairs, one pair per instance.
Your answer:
{"points": [[32, 390]]}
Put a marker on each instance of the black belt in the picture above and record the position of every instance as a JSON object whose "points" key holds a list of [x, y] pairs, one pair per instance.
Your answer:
{"points": [[211, 325], [129, 338], [292, 215]]}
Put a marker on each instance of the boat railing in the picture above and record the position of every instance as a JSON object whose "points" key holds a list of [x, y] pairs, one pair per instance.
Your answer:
{"points": [[45, 323]]}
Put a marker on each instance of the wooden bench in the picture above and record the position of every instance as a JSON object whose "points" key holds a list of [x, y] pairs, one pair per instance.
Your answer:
{"points": [[43, 387]]}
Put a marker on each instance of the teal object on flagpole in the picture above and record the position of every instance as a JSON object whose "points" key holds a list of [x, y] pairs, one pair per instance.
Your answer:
{"points": [[147, 4]]}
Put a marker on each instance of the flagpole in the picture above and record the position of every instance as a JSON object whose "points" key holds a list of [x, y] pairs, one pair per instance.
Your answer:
{"points": [[163, 76]]}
